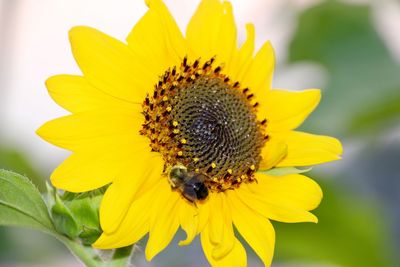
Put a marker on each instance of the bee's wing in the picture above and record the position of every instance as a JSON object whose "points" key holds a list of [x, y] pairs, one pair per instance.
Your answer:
{"points": [[189, 192], [198, 187]]}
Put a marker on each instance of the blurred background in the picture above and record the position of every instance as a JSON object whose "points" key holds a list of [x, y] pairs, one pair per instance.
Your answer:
{"points": [[350, 49]]}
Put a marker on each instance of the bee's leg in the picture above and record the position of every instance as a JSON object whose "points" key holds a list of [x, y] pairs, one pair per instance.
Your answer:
{"points": [[193, 201]]}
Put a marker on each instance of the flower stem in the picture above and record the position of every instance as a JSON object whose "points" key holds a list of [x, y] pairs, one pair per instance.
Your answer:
{"points": [[90, 258], [85, 254]]}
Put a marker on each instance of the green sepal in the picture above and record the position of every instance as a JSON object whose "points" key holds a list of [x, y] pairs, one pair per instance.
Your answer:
{"points": [[85, 207], [50, 196], [76, 214], [282, 171], [64, 220], [89, 235]]}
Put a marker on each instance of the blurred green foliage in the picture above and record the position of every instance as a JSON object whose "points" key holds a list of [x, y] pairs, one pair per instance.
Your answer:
{"points": [[11, 159], [361, 99], [349, 233], [363, 90]]}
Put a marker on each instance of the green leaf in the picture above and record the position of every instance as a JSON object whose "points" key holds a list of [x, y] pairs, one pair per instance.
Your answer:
{"points": [[21, 203], [285, 171]]}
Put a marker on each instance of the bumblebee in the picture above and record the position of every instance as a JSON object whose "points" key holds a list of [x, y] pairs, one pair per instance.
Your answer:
{"points": [[190, 184]]}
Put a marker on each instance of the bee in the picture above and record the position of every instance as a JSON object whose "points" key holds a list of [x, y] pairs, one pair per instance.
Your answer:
{"points": [[190, 184]]}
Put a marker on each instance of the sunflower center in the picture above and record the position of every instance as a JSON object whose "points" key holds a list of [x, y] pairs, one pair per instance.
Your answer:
{"points": [[198, 118]]}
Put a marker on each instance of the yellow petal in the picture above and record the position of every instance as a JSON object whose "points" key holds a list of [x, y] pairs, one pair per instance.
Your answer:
{"points": [[216, 218], [225, 244], [204, 215], [259, 75], [193, 219], [212, 32], [286, 110], [243, 57], [254, 228], [165, 219], [283, 198], [140, 170], [235, 258], [110, 66], [189, 221], [220, 230], [272, 153], [90, 169], [227, 36], [80, 173], [247, 48], [76, 94], [156, 39], [75, 132], [134, 225], [276, 212], [306, 149]]}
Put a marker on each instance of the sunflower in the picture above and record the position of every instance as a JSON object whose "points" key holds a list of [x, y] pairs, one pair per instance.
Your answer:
{"points": [[183, 129]]}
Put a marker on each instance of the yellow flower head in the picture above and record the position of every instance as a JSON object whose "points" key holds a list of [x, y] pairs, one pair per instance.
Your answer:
{"points": [[180, 128]]}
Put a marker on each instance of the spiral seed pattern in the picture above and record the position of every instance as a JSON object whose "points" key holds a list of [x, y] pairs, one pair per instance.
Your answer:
{"points": [[199, 118]]}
